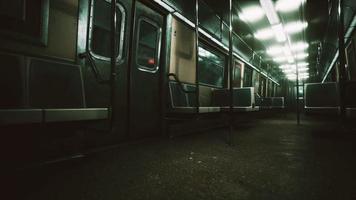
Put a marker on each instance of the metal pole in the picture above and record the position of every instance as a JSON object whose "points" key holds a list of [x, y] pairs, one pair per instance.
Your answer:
{"points": [[297, 100], [342, 58], [231, 61], [197, 55], [113, 74]]}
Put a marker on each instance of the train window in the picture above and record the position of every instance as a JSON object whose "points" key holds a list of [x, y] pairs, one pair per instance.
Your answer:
{"points": [[211, 67], [148, 45], [248, 77], [100, 40], [25, 21]]}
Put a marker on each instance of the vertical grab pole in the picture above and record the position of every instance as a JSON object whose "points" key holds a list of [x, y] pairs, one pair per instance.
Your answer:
{"points": [[297, 100], [197, 55], [231, 91], [342, 59], [113, 73]]}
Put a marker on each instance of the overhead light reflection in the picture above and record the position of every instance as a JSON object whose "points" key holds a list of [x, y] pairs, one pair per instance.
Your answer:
{"points": [[288, 5], [251, 14], [295, 27]]}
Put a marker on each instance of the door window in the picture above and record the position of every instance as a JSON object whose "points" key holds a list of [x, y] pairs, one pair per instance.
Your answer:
{"points": [[100, 28], [148, 45]]}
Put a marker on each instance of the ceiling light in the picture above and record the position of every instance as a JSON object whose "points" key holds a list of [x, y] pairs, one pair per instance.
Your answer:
{"points": [[303, 69], [295, 27], [293, 77], [251, 14], [275, 50], [280, 59], [305, 74], [271, 13], [292, 70], [283, 67], [301, 56], [264, 34], [299, 46], [288, 5], [279, 32], [303, 64]]}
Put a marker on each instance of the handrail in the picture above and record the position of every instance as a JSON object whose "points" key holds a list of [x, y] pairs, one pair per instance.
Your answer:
{"points": [[180, 83], [93, 66]]}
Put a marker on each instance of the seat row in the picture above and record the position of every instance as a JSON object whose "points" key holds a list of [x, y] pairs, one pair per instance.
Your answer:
{"points": [[182, 98], [325, 98]]}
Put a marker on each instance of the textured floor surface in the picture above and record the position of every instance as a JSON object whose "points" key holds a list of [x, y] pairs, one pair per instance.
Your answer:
{"points": [[270, 159]]}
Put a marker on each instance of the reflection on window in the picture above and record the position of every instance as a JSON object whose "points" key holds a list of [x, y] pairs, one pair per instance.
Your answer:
{"points": [[248, 77], [301, 91], [236, 75], [147, 54], [211, 67], [100, 39]]}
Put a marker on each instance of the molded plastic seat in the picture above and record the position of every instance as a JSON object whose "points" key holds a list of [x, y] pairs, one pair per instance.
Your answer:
{"points": [[322, 98]]}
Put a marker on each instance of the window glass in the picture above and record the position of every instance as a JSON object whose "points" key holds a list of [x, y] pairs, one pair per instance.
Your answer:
{"points": [[236, 75], [147, 45], [211, 67], [25, 20], [100, 38], [301, 91], [248, 77]]}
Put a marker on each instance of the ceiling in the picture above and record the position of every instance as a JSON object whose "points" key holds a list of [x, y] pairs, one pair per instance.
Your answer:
{"points": [[314, 12]]}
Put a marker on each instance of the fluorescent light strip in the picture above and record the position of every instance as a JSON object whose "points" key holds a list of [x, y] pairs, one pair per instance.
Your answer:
{"points": [[268, 7], [279, 32], [290, 28], [288, 5], [251, 14], [296, 47], [264, 34], [164, 5], [295, 27]]}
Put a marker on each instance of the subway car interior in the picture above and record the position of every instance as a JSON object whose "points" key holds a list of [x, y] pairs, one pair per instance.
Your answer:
{"points": [[176, 99]]}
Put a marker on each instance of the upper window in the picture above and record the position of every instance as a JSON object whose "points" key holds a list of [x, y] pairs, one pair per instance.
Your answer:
{"points": [[211, 67], [148, 45], [100, 40], [25, 20]]}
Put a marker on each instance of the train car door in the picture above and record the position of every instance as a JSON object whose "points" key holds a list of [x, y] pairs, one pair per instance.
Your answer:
{"points": [[145, 72], [95, 56]]}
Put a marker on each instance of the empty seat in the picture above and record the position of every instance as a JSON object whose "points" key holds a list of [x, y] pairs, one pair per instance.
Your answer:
{"points": [[322, 97], [277, 102], [266, 102], [183, 99], [243, 99]]}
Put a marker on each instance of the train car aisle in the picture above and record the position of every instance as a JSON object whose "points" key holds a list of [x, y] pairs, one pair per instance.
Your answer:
{"points": [[271, 159]]}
